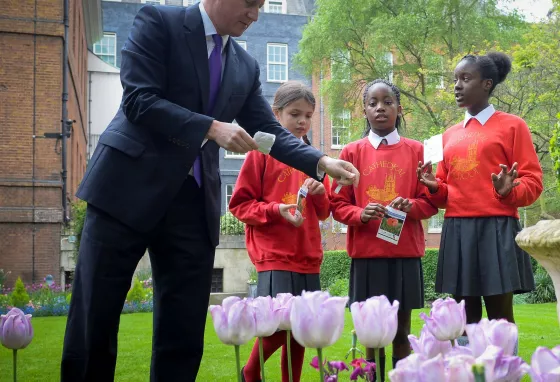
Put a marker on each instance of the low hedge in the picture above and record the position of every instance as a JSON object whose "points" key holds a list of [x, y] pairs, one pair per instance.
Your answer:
{"points": [[336, 266]]}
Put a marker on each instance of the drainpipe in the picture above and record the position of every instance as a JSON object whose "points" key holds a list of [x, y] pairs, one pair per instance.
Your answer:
{"points": [[321, 115], [66, 123]]}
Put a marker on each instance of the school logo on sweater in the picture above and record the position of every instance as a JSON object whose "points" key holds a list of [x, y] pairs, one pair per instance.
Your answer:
{"points": [[385, 194], [465, 166]]}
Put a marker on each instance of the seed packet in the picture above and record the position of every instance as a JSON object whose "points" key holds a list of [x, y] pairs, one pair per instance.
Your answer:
{"points": [[302, 194], [391, 225]]}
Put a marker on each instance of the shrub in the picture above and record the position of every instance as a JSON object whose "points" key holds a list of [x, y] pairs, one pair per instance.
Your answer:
{"points": [[230, 225], [4, 301], [78, 219], [339, 288], [3, 276], [544, 288], [336, 266], [19, 297], [136, 294]]}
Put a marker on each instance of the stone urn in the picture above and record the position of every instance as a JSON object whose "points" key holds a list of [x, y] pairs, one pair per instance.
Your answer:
{"points": [[542, 241]]}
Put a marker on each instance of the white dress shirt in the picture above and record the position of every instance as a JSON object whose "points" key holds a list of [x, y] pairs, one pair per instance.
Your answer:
{"points": [[392, 138], [482, 117]]}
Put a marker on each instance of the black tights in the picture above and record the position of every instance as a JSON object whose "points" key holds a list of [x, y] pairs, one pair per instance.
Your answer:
{"points": [[497, 306]]}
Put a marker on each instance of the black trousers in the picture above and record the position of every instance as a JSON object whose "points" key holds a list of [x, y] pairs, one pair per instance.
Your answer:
{"points": [[182, 258]]}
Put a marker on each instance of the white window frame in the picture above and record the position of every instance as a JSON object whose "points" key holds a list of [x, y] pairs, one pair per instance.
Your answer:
{"points": [[338, 227], [283, 10], [188, 3], [389, 57], [242, 43], [435, 223], [269, 63], [228, 196], [161, 2], [346, 118], [113, 54]]}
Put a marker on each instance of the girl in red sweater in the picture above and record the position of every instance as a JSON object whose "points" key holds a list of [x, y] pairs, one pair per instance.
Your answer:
{"points": [[284, 245], [489, 170], [386, 162]]}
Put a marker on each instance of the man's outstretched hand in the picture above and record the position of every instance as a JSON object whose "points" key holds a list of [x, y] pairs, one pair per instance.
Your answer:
{"points": [[231, 137], [344, 172]]}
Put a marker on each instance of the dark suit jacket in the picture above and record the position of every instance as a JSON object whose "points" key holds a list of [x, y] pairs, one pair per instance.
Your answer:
{"points": [[145, 154]]}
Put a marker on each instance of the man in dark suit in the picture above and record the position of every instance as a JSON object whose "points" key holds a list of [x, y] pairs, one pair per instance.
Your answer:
{"points": [[153, 182]]}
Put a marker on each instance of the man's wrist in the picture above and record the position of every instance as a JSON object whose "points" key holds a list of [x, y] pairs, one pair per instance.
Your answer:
{"points": [[322, 165], [211, 133]]}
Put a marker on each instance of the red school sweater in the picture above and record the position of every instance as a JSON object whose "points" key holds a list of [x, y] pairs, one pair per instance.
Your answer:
{"points": [[385, 173], [472, 153], [272, 242]]}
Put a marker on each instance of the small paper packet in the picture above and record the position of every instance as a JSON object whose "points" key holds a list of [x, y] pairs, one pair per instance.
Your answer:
{"points": [[391, 226], [302, 194], [265, 141]]}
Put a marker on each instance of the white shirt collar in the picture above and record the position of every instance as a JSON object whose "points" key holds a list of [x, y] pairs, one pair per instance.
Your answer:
{"points": [[209, 28], [392, 138], [482, 117]]}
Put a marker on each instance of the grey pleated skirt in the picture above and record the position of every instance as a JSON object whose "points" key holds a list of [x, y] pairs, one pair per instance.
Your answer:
{"points": [[479, 257], [270, 283], [398, 279]]}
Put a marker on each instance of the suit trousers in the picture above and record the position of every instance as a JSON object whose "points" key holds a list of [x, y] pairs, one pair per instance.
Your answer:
{"points": [[182, 259]]}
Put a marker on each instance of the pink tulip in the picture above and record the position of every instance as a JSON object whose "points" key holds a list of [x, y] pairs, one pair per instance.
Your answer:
{"points": [[496, 332], [234, 320], [375, 321], [418, 368], [545, 365], [501, 368], [447, 319], [16, 331], [459, 367], [283, 301], [267, 316], [428, 345], [317, 319]]}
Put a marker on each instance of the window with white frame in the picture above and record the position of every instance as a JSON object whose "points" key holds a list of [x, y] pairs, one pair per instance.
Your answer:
{"points": [[277, 62], [389, 58], [187, 3], [106, 48], [229, 193], [338, 227], [242, 44], [436, 222], [231, 154], [340, 130], [275, 6], [154, 2]]}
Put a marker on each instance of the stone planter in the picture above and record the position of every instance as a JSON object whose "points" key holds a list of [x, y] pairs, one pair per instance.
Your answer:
{"points": [[542, 241], [252, 290]]}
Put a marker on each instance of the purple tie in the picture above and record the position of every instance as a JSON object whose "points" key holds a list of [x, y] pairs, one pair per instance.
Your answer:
{"points": [[215, 66]]}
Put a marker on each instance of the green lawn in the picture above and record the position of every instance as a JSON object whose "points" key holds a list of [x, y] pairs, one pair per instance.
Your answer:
{"points": [[40, 362]]}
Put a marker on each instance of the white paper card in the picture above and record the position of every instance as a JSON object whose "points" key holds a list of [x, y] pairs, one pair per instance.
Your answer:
{"points": [[265, 141], [391, 226], [433, 149]]}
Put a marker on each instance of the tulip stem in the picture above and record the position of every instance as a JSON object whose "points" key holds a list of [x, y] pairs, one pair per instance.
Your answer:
{"points": [[238, 363], [354, 344], [288, 348], [378, 365], [321, 371], [261, 358], [15, 365], [453, 343], [478, 371]]}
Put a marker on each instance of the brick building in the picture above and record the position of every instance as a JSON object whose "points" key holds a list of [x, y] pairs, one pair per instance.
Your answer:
{"points": [[35, 197]]}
